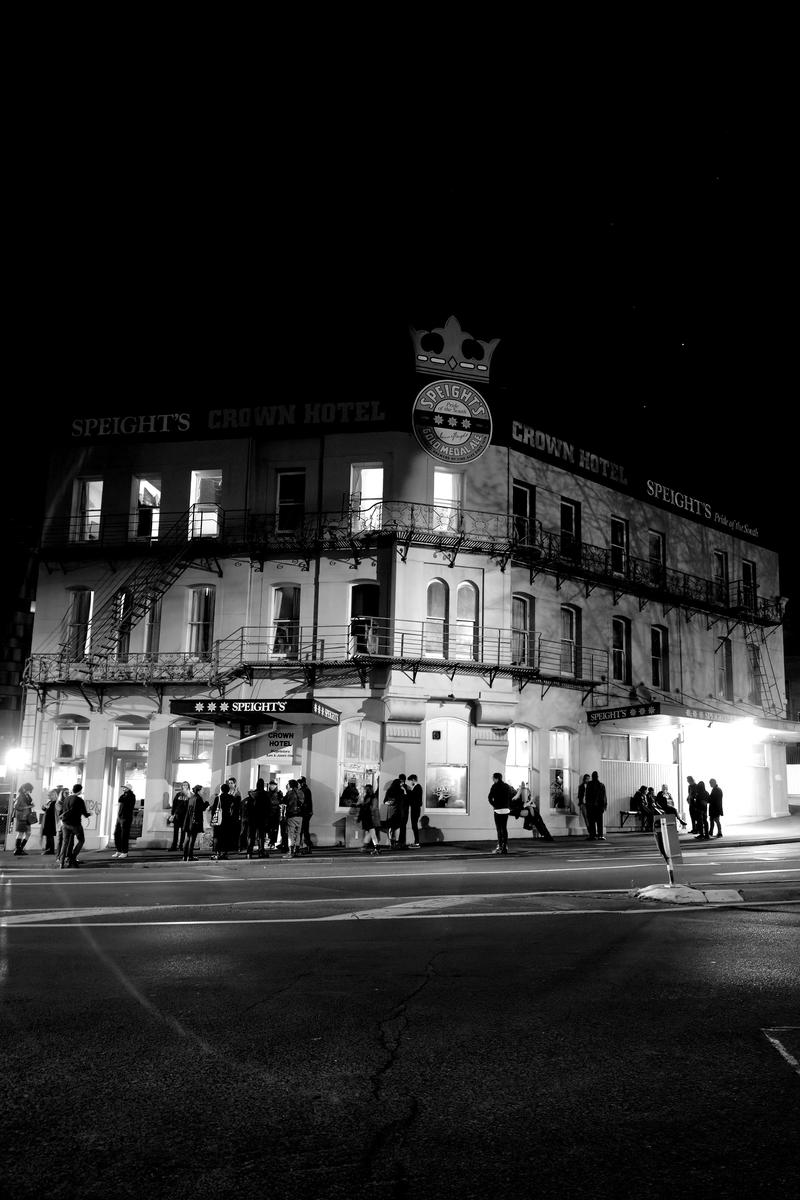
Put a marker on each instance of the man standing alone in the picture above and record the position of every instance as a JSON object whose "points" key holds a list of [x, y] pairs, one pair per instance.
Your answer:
{"points": [[596, 802], [414, 805], [714, 809], [125, 807]]}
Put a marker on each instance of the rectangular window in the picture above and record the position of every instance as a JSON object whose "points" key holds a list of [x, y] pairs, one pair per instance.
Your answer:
{"points": [[201, 621], [366, 495], [523, 507], [152, 627], [656, 557], [290, 506], [286, 622], [749, 584], [753, 674], [205, 496], [522, 635], [71, 742], [569, 641], [619, 546], [145, 505], [570, 528], [620, 747], [724, 664], [447, 499], [721, 576], [87, 503], [621, 650], [659, 657], [80, 623], [195, 745]]}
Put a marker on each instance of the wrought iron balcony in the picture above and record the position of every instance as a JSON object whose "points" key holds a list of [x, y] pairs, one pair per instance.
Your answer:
{"points": [[357, 530], [157, 670], [448, 648]]}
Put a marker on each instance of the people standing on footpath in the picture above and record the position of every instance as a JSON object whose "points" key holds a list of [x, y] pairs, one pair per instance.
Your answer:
{"points": [[294, 819], [180, 802], [582, 799], [193, 821], [715, 809], [49, 821], [529, 805], [369, 818], [701, 803], [72, 835], [596, 804], [691, 802], [126, 805], [308, 812], [261, 803], [237, 826], [500, 797], [414, 788], [397, 811], [23, 816], [220, 817]]}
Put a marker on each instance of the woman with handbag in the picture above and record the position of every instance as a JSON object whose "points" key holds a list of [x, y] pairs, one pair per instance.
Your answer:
{"points": [[23, 816], [221, 821], [48, 825]]}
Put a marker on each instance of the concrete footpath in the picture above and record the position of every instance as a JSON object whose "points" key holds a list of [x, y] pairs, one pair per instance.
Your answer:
{"points": [[775, 831]]}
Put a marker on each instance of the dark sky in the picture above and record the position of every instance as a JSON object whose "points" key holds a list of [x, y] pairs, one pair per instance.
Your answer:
{"points": [[636, 272]]}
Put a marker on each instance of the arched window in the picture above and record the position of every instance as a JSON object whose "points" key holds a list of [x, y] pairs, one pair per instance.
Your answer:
{"points": [[435, 635], [467, 621], [522, 759], [522, 640]]}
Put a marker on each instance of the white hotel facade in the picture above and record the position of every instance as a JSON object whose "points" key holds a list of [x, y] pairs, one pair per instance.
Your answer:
{"points": [[349, 588]]}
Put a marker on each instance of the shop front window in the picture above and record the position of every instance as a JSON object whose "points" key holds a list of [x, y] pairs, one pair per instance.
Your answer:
{"points": [[561, 770], [447, 756]]}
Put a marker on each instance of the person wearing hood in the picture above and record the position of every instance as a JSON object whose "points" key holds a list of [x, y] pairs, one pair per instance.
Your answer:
{"points": [[193, 821], [259, 803]]}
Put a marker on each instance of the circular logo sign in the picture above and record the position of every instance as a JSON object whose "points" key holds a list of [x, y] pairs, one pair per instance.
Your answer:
{"points": [[451, 421]]}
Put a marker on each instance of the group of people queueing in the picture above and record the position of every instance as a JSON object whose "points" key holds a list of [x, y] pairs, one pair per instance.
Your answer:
{"points": [[263, 819], [61, 825], [403, 800]]}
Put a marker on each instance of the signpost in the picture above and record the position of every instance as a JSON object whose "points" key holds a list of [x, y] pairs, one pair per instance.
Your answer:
{"points": [[666, 834]]}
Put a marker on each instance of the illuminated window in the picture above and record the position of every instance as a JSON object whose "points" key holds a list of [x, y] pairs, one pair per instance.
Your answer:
{"points": [[522, 758], [467, 621], [145, 505], [205, 496], [366, 495], [285, 621], [447, 500]]}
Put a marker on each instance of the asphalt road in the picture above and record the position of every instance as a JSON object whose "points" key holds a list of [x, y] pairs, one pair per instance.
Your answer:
{"points": [[371, 1028]]}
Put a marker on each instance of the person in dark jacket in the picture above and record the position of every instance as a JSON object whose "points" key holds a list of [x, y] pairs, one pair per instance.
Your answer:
{"points": [[73, 836], [193, 821], [369, 818], [126, 806], [49, 822], [715, 809], [180, 803], [701, 801], [308, 812], [221, 818], [529, 806], [259, 803], [397, 810], [500, 797], [691, 802], [596, 804], [414, 805]]}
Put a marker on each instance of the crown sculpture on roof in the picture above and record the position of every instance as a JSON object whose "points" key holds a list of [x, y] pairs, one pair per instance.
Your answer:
{"points": [[452, 351]]}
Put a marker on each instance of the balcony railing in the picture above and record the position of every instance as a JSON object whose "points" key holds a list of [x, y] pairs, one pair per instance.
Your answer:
{"points": [[135, 668], [366, 641], [503, 536]]}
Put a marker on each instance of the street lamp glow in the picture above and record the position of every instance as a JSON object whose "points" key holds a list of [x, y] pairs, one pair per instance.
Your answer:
{"points": [[16, 759]]}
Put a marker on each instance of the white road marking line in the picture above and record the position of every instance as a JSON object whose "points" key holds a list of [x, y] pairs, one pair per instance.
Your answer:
{"points": [[779, 1046], [775, 871]]}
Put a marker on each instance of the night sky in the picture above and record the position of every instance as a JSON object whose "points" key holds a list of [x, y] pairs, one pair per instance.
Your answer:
{"points": [[636, 274]]}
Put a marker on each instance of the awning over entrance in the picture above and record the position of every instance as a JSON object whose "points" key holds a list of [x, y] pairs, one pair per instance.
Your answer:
{"points": [[255, 712], [788, 731]]}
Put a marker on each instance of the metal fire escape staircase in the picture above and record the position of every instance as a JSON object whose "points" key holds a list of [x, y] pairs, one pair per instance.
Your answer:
{"points": [[769, 692], [147, 582]]}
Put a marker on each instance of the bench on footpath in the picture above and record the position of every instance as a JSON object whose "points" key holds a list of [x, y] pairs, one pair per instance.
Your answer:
{"points": [[630, 812]]}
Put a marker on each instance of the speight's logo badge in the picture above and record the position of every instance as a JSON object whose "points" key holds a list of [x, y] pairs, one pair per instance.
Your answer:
{"points": [[450, 419]]}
